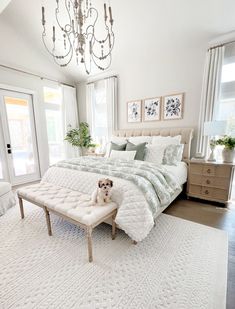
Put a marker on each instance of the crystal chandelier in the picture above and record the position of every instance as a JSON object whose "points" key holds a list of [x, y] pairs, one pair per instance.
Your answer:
{"points": [[77, 36]]}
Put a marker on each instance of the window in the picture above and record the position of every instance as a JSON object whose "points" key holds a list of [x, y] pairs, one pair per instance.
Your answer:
{"points": [[101, 107], [54, 121], [226, 106]]}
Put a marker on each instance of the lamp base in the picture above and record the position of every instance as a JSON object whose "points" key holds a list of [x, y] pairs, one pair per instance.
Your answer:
{"points": [[212, 155]]}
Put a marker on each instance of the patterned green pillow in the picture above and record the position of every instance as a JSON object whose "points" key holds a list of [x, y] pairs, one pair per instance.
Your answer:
{"points": [[140, 150], [173, 154]]}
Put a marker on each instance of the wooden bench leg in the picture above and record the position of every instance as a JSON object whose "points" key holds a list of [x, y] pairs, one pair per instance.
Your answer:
{"points": [[48, 220], [89, 240], [113, 227], [21, 207]]}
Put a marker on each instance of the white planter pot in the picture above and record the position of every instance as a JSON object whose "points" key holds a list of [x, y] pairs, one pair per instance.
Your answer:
{"points": [[228, 155]]}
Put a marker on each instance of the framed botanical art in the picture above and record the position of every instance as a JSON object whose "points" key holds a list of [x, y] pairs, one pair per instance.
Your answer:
{"points": [[152, 109], [173, 106], [134, 111]]}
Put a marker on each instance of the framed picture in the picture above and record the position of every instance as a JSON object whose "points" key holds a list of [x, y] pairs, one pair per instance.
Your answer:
{"points": [[152, 109], [134, 111], [173, 106]]}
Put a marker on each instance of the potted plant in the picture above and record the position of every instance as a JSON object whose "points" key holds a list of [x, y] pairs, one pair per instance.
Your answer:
{"points": [[80, 137], [228, 153]]}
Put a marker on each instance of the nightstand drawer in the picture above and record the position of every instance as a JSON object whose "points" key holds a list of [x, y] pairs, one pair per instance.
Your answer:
{"points": [[223, 171], [196, 168], [193, 189], [207, 191], [208, 181], [196, 179], [220, 194], [208, 170]]}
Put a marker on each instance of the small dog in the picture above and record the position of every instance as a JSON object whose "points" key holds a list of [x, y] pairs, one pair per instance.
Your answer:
{"points": [[102, 194]]}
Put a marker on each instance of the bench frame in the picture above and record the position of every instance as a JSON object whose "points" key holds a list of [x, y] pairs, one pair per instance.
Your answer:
{"points": [[87, 228]]}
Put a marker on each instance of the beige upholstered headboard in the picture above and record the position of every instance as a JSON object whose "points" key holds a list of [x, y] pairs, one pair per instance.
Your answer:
{"points": [[186, 136]]}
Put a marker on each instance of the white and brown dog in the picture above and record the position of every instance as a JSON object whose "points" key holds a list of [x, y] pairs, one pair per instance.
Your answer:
{"points": [[102, 194]]}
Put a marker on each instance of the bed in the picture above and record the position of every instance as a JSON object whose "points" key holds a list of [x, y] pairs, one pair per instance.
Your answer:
{"points": [[141, 189]]}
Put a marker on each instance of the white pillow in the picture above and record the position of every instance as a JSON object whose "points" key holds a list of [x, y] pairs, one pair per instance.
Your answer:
{"points": [[166, 140], [117, 140], [173, 154], [125, 155], [140, 139], [154, 153]]}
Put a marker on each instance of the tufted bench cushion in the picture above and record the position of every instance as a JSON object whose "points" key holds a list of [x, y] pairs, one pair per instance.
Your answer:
{"points": [[71, 205]]}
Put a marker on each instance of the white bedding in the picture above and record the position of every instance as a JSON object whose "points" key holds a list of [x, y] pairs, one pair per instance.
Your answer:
{"points": [[180, 171], [134, 215]]}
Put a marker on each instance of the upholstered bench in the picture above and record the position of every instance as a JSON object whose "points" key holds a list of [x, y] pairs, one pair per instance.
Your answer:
{"points": [[7, 198], [71, 205]]}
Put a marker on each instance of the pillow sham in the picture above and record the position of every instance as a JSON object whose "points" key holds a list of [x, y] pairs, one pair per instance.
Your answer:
{"points": [[173, 154], [140, 150], [114, 146], [125, 155], [114, 139], [140, 139], [154, 153], [166, 140]]}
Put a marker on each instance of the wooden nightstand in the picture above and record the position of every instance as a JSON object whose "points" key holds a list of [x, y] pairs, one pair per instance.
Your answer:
{"points": [[210, 181]]}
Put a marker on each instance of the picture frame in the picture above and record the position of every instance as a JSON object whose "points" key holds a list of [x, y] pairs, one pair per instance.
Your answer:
{"points": [[134, 111], [173, 106], [152, 109]]}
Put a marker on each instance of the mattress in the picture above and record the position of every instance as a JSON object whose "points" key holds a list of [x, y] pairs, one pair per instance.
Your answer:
{"points": [[180, 172]]}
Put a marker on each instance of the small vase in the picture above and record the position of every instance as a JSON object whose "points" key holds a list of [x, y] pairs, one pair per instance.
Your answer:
{"points": [[228, 155]]}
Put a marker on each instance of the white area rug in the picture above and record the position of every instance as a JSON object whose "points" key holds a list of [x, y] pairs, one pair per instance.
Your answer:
{"points": [[180, 265]]}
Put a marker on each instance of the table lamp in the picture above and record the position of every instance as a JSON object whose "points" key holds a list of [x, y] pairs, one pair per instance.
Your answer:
{"points": [[213, 129]]}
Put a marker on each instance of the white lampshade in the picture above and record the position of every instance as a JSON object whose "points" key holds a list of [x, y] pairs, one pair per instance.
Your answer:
{"points": [[213, 128]]}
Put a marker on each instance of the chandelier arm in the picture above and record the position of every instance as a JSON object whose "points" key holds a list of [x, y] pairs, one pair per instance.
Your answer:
{"points": [[105, 67], [110, 50], [53, 54]]}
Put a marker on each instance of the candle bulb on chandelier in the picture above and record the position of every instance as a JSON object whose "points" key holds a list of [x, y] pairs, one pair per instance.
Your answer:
{"points": [[110, 15], [105, 12], [53, 38], [43, 16]]}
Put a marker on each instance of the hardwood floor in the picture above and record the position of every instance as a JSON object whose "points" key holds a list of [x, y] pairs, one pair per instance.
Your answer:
{"points": [[214, 216]]}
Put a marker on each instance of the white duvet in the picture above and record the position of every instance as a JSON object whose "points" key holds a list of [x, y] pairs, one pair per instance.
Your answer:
{"points": [[134, 215]]}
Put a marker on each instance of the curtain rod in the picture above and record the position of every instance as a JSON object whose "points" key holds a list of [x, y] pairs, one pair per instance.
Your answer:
{"points": [[220, 45], [35, 75], [97, 80]]}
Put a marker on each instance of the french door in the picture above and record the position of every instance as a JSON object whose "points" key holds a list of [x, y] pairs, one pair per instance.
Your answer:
{"points": [[18, 144]]}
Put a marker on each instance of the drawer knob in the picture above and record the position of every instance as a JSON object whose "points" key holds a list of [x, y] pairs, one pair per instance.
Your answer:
{"points": [[209, 170], [206, 192], [208, 181]]}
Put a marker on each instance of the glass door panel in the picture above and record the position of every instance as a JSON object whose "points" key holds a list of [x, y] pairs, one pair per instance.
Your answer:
{"points": [[20, 137]]}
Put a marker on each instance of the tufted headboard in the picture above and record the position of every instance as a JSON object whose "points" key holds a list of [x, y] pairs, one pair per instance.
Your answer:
{"points": [[186, 136]]}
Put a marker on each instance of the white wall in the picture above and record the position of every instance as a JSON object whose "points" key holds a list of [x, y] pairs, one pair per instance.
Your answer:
{"points": [[160, 49]]}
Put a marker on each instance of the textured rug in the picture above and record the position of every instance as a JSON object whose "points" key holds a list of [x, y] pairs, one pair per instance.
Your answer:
{"points": [[179, 265]]}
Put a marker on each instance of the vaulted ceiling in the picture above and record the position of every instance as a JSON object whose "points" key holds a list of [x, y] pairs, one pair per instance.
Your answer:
{"points": [[140, 26]]}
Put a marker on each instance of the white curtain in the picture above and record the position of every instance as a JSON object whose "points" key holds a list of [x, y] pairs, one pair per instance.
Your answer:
{"points": [[70, 115], [210, 93], [111, 97], [101, 102]]}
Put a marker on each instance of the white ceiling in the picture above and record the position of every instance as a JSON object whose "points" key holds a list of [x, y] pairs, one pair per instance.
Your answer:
{"points": [[139, 25]]}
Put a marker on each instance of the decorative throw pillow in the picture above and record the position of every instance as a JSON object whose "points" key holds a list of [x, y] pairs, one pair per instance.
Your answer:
{"points": [[117, 147], [154, 153], [125, 155], [173, 154], [116, 140], [140, 150]]}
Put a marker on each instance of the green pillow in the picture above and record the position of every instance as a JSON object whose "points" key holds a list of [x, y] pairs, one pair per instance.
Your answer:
{"points": [[114, 146], [140, 150]]}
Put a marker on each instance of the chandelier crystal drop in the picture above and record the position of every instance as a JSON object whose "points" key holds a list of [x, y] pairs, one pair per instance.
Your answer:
{"points": [[77, 37]]}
